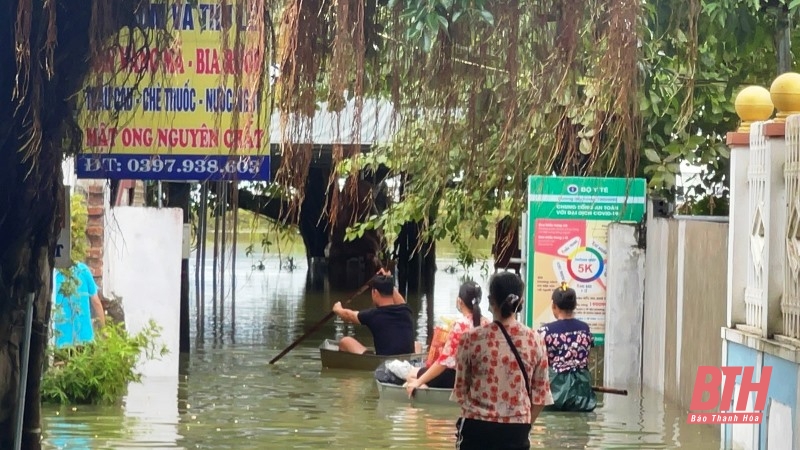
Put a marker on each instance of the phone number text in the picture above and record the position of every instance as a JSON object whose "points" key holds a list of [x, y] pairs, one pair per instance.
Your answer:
{"points": [[174, 167]]}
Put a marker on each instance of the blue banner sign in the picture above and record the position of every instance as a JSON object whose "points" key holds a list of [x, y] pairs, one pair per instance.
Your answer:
{"points": [[173, 167]]}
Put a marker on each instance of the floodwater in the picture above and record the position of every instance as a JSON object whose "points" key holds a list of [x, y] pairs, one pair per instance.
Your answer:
{"points": [[229, 397]]}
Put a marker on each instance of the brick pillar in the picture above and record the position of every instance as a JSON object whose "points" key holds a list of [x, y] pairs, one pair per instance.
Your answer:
{"points": [[138, 194], [95, 230]]}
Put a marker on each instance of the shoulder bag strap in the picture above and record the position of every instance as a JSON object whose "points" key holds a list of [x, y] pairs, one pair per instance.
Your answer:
{"points": [[516, 354]]}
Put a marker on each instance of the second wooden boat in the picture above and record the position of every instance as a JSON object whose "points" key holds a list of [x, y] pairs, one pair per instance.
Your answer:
{"points": [[429, 396]]}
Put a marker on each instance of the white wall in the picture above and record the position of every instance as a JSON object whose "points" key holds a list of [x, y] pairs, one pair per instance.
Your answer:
{"points": [[624, 309], [655, 308], [143, 256], [68, 168], [780, 431]]}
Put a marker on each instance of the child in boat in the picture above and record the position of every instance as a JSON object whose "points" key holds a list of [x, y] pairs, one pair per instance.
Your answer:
{"points": [[442, 373], [568, 343]]}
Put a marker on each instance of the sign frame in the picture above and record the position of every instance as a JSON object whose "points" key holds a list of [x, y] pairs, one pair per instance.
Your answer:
{"points": [[178, 113], [570, 205]]}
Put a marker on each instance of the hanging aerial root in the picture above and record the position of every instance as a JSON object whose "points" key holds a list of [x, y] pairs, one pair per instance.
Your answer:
{"points": [[619, 70]]}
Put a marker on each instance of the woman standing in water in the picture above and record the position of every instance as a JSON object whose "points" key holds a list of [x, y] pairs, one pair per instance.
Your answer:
{"points": [[568, 343], [501, 375], [442, 373]]}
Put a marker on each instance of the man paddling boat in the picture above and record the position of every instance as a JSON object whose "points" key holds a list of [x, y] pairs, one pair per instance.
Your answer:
{"points": [[391, 321]]}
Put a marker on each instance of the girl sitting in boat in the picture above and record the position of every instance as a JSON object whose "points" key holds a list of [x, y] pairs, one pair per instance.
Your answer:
{"points": [[568, 343], [442, 373]]}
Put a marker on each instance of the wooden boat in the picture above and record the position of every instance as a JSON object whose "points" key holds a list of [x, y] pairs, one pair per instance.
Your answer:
{"points": [[332, 358], [425, 396]]}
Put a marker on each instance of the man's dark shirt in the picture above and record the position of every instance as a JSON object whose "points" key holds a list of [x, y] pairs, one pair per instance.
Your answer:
{"points": [[392, 328]]}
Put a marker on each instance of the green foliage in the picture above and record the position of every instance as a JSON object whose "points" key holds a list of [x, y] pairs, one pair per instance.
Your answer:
{"points": [[69, 286], [425, 20], [707, 206], [79, 218], [491, 92], [278, 237], [694, 57], [363, 161], [99, 373], [694, 62]]}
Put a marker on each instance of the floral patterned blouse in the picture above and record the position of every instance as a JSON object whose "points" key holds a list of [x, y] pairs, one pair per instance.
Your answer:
{"points": [[568, 344], [489, 384], [447, 357]]}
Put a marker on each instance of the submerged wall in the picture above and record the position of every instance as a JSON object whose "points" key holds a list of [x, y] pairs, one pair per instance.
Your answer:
{"points": [[685, 303], [624, 308], [779, 429], [143, 258]]}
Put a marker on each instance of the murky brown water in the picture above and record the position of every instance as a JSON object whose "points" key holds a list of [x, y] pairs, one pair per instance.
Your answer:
{"points": [[231, 398]]}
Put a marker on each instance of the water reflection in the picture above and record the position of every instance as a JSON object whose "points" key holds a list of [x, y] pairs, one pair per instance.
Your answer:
{"points": [[229, 397], [436, 423], [84, 427], [151, 413], [65, 434], [549, 431]]}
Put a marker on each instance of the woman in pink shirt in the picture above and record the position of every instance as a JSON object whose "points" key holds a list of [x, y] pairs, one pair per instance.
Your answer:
{"points": [[442, 373], [502, 379]]}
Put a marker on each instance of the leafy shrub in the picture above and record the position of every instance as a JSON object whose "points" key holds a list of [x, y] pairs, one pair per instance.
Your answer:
{"points": [[79, 217], [79, 221], [99, 372], [706, 206]]}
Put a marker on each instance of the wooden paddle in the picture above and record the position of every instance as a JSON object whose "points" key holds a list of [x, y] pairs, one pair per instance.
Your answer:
{"points": [[602, 389], [322, 322], [606, 390]]}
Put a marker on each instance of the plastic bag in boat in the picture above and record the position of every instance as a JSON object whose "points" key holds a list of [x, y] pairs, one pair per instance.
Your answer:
{"points": [[401, 369], [384, 375]]}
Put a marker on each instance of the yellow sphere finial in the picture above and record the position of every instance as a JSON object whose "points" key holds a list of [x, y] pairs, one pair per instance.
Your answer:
{"points": [[785, 94], [753, 104]]}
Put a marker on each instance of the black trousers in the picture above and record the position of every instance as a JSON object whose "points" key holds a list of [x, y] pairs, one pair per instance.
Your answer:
{"points": [[480, 435], [445, 380]]}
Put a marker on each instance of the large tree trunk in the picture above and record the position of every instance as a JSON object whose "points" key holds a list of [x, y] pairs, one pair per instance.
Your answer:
{"points": [[352, 263], [31, 204], [28, 212], [313, 223], [37, 108]]}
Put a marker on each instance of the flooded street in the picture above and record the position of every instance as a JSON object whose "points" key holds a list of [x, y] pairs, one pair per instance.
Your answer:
{"points": [[229, 397]]}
